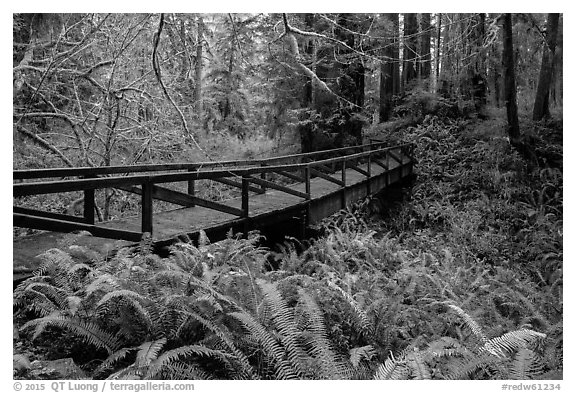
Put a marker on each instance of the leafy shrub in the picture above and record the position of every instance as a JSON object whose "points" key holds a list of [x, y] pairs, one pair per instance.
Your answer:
{"points": [[478, 230]]}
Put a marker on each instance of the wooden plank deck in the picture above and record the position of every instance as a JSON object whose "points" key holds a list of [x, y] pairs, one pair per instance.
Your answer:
{"points": [[169, 225]]}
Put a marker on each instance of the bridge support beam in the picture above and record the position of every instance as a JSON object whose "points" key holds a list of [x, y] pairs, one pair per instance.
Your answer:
{"points": [[147, 207], [191, 188], [89, 204], [343, 193]]}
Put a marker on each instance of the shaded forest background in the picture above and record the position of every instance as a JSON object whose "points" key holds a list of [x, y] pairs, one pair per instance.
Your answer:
{"points": [[118, 89]]}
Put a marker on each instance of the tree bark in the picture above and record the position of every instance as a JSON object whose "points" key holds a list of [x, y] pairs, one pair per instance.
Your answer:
{"points": [[444, 88], [396, 53], [510, 81], [497, 87], [437, 55], [541, 106], [410, 48], [425, 56], [387, 67], [198, 69], [350, 86], [495, 68]]}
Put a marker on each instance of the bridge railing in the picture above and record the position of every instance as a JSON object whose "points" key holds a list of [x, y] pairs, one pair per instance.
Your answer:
{"points": [[145, 180]]}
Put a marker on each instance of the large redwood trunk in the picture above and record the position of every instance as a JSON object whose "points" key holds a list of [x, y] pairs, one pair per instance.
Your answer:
{"points": [[510, 81], [425, 56], [541, 106], [387, 68], [410, 48]]}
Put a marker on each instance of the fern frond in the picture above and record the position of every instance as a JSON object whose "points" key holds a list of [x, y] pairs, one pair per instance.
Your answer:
{"points": [[131, 298], [463, 368], [37, 301], [246, 370], [417, 365], [21, 362], [358, 354], [283, 317], [330, 364], [74, 271], [361, 316], [104, 282], [126, 373], [173, 355], [183, 371], [203, 240], [526, 365], [148, 351], [392, 369], [55, 295], [24, 284], [52, 260], [89, 332], [511, 341], [471, 323], [171, 278], [113, 358], [447, 347], [194, 282], [271, 348]]}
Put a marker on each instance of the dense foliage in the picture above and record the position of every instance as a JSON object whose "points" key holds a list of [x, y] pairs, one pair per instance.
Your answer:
{"points": [[458, 275], [463, 279]]}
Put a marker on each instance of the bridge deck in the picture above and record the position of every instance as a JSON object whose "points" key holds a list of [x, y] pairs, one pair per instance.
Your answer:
{"points": [[169, 225]]}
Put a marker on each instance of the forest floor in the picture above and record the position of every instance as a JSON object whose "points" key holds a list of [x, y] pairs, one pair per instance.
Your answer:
{"points": [[461, 279]]}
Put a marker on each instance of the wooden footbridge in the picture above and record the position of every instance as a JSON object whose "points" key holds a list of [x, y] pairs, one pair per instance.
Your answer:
{"points": [[307, 187]]}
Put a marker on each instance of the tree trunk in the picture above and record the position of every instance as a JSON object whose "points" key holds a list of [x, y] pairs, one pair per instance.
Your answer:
{"points": [[437, 55], [309, 97], [444, 85], [478, 73], [495, 69], [184, 65], [480, 35], [541, 107], [387, 66], [510, 81], [350, 87], [556, 83], [425, 56], [198, 69], [396, 53], [410, 48]]}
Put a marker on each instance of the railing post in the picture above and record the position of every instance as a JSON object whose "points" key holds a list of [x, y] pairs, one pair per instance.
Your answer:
{"points": [[306, 221], [307, 181], [401, 162], [263, 177], [368, 169], [302, 161], [411, 157], [343, 194], [388, 167], [245, 201], [191, 187], [89, 205], [147, 207]]}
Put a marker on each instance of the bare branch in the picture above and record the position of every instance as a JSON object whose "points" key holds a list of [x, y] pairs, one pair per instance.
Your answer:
{"points": [[45, 144], [157, 72], [293, 44]]}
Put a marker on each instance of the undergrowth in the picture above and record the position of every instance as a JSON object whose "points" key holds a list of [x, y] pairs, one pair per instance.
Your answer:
{"points": [[463, 280]]}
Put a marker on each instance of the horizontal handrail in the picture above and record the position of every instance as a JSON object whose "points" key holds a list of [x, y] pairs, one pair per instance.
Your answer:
{"points": [[22, 174], [48, 187], [146, 184]]}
